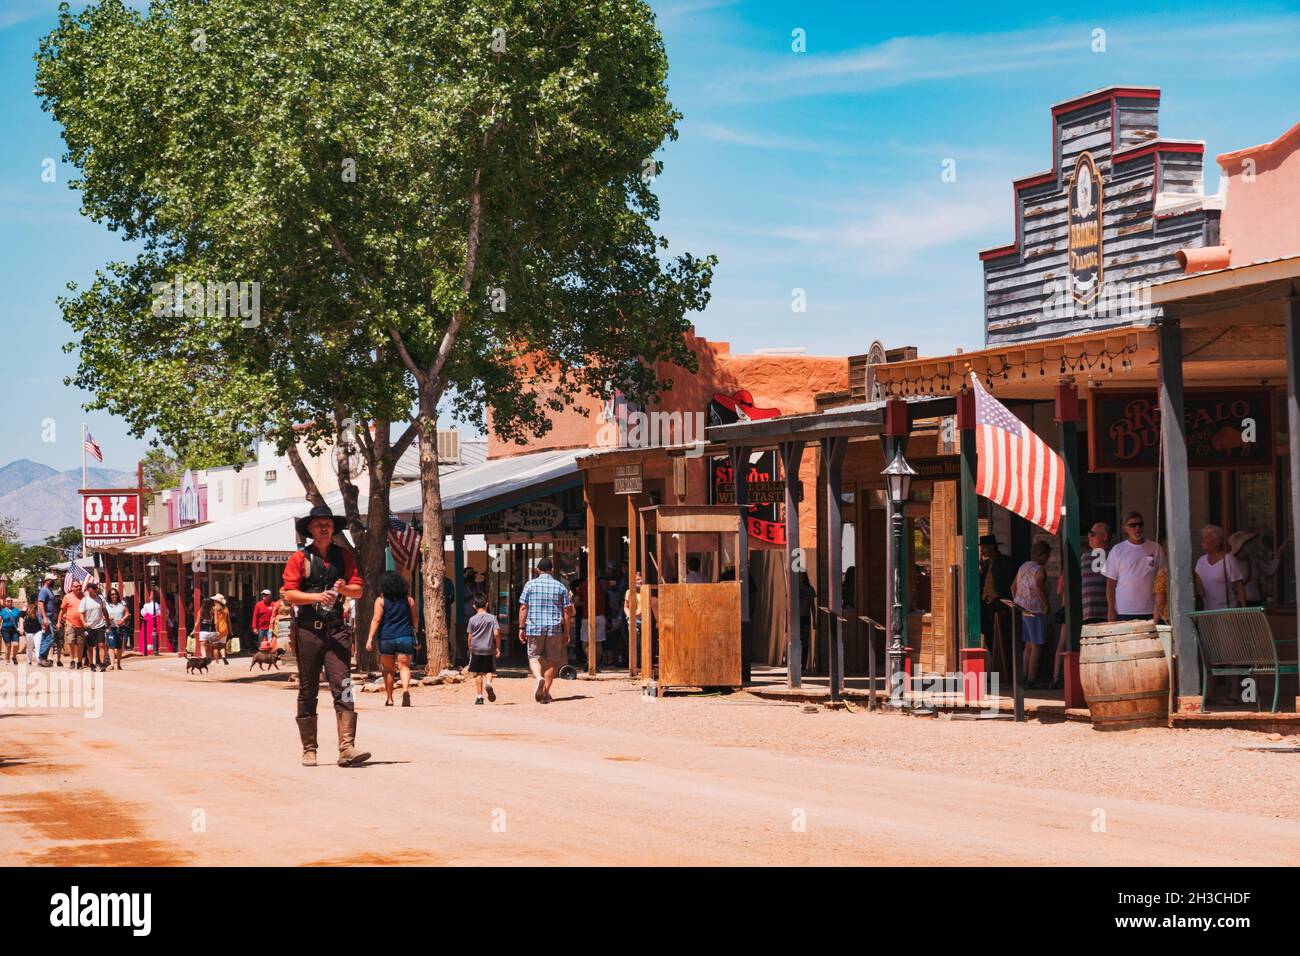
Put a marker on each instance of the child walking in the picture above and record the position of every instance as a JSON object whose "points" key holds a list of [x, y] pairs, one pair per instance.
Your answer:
{"points": [[484, 648]]}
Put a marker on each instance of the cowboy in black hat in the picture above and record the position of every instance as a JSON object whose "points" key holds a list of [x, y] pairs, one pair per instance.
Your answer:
{"points": [[316, 580]]}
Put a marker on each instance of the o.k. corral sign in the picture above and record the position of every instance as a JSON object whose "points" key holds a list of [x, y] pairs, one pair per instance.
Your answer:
{"points": [[109, 515], [1085, 244]]}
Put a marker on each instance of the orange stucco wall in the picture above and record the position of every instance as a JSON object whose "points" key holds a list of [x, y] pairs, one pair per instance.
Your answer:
{"points": [[787, 382], [1261, 218]]}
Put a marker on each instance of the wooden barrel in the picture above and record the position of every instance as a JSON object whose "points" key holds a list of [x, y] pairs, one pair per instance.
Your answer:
{"points": [[1124, 675]]}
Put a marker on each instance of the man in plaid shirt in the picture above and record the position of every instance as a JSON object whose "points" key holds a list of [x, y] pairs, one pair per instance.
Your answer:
{"points": [[545, 619]]}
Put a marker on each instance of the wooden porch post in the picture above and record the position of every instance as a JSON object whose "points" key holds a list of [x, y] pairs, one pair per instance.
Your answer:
{"points": [[592, 649], [1293, 425], [791, 458], [740, 476], [633, 648], [1067, 415], [974, 656], [181, 626], [1173, 444], [458, 593], [833, 455]]}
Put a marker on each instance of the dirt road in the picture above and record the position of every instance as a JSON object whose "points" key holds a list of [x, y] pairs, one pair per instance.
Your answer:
{"points": [[204, 770]]}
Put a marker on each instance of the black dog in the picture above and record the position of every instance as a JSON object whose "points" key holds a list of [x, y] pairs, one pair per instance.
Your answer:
{"points": [[267, 659], [197, 664]]}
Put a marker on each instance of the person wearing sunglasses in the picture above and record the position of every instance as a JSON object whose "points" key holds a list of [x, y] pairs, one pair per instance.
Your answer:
{"points": [[1130, 573]]}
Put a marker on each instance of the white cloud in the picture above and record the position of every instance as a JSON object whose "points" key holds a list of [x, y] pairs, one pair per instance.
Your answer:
{"points": [[727, 134], [899, 229], [901, 61]]}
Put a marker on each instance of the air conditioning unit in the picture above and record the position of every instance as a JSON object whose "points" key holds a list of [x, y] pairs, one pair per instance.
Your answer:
{"points": [[449, 446]]}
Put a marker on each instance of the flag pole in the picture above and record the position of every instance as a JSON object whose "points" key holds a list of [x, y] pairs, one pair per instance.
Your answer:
{"points": [[83, 456]]}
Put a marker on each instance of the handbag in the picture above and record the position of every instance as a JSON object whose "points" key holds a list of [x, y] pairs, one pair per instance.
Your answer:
{"points": [[232, 646]]}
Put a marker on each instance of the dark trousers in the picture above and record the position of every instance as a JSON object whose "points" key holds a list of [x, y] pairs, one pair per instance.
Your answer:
{"points": [[316, 649], [995, 622]]}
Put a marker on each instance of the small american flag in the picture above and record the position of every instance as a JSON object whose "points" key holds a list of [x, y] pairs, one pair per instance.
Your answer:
{"points": [[75, 573], [1017, 469], [404, 541], [92, 447]]}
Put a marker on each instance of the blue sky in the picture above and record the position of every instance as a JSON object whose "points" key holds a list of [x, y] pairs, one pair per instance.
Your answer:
{"points": [[817, 170]]}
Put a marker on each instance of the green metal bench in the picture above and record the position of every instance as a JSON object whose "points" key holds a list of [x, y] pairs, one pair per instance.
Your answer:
{"points": [[1237, 642]]}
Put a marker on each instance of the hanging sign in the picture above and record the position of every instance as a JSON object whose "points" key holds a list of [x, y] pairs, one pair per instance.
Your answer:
{"points": [[628, 479], [1085, 241], [764, 520], [1225, 429]]}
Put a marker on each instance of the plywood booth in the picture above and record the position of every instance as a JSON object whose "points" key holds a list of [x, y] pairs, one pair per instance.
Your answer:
{"points": [[691, 596]]}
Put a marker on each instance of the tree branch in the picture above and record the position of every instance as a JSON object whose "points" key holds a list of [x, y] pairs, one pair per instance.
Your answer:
{"points": [[304, 476]]}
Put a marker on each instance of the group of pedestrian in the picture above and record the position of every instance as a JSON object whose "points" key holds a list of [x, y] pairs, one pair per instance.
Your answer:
{"points": [[1127, 582], [92, 628]]}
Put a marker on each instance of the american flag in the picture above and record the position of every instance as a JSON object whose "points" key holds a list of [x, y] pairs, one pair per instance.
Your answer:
{"points": [[92, 447], [1017, 469], [75, 573], [404, 541]]}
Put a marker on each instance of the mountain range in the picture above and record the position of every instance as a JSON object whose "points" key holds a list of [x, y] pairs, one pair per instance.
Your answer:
{"points": [[41, 500]]}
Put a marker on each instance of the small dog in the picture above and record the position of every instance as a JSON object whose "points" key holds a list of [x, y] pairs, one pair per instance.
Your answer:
{"points": [[197, 664], [267, 659]]}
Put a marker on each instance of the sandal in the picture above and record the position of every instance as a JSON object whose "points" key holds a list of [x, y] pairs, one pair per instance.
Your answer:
{"points": [[388, 703], [406, 698]]}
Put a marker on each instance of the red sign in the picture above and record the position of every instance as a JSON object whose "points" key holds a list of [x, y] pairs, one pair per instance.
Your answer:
{"points": [[108, 516]]}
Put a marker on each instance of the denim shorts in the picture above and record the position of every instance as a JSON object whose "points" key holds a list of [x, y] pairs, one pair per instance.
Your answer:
{"points": [[1035, 628], [388, 646]]}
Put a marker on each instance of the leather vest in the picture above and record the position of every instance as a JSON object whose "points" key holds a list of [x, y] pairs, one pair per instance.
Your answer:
{"points": [[321, 573]]}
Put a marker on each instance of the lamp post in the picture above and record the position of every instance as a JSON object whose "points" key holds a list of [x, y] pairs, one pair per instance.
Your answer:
{"points": [[898, 482]]}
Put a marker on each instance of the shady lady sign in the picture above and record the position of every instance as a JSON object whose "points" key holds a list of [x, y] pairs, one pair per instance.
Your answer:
{"points": [[1085, 245]]}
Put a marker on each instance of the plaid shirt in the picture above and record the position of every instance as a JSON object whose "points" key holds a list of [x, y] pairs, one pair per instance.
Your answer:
{"points": [[547, 599]]}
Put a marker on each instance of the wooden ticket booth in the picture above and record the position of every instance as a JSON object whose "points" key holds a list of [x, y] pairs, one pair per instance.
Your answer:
{"points": [[690, 596]]}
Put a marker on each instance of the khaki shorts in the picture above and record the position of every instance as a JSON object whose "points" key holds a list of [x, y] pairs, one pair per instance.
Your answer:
{"points": [[548, 647], [73, 635]]}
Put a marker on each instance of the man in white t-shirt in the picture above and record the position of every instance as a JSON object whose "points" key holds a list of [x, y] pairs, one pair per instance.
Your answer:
{"points": [[95, 613], [1130, 573]]}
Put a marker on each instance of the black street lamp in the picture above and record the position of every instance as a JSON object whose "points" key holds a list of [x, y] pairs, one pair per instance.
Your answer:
{"points": [[898, 482]]}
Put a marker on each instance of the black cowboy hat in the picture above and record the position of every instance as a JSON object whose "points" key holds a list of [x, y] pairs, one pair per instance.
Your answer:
{"points": [[320, 511]]}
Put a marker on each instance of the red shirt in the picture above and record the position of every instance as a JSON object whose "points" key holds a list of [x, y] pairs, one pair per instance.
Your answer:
{"points": [[295, 569], [262, 614]]}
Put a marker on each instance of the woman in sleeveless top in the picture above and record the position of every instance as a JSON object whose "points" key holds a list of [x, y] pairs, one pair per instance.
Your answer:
{"points": [[1030, 594], [394, 621], [205, 628]]}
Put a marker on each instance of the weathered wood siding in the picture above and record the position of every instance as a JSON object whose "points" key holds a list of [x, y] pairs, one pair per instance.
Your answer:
{"points": [[1122, 134]]}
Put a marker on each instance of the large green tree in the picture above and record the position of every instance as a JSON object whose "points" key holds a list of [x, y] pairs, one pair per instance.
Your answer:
{"points": [[447, 203]]}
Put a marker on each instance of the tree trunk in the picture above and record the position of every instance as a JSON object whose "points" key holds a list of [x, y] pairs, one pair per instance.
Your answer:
{"points": [[373, 542], [437, 638]]}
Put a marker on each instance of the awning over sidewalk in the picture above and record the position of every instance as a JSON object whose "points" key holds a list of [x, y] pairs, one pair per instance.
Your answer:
{"points": [[497, 483], [265, 528]]}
